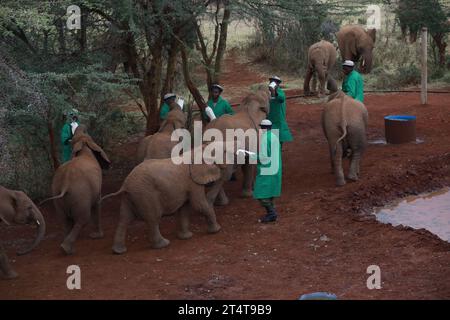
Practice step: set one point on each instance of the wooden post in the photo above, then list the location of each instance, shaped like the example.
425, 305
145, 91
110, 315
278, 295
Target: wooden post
424, 58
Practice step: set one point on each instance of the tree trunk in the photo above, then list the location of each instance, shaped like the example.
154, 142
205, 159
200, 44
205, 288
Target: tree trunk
61, 36
83, 32
222, 43
441, 45
171, 68
53, 149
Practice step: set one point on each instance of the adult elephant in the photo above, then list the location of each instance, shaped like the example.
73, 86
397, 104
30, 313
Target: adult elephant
159, 187
253, 109
77, 187
321, 59
344, 122
159, 145
354, 43
17, 208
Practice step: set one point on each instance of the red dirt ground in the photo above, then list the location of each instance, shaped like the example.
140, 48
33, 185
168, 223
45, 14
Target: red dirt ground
248, 260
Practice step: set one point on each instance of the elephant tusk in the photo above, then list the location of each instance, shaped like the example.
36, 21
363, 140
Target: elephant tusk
38, 223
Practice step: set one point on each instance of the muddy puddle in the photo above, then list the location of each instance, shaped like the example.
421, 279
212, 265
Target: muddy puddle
429, 211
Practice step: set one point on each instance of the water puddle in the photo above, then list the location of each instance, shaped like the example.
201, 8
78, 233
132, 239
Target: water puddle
430, 211
383, 141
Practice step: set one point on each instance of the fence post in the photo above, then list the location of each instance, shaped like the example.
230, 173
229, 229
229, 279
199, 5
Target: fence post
424, 62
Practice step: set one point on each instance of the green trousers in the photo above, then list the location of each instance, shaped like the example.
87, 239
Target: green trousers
267, 203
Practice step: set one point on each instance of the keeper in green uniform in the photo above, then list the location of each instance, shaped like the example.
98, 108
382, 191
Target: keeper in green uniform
218, 105
353, 84
277, 113
164, 110
67, 132
269, 171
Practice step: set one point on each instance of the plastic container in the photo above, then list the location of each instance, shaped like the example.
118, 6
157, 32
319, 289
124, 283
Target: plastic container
400, 128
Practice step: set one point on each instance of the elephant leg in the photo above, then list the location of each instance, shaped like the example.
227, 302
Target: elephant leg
338, 171
69, 241
125, 217
98, 233
248, 171
332, 159
217, 187
309, 73
322, 82
354, 166
222, 199
183, 223
81, 216
5, 266
314, 83
200, 203
151, 211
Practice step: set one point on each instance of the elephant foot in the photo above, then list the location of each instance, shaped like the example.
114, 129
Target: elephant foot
162, 243
119, 249
96, 235
67, 248
184, 235
353, 177
340, 182
247, 194
214, 228
222, 202
10, 275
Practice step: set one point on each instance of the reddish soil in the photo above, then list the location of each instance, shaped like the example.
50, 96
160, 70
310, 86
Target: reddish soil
248, 260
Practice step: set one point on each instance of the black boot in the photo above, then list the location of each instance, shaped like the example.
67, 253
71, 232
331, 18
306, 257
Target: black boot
271, 216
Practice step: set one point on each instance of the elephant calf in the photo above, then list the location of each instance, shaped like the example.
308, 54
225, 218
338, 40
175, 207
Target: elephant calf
159, 145
159, 187
344, 122
17, 208
321, 60
77, 188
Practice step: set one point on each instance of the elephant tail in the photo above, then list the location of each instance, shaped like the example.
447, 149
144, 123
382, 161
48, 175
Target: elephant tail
59, 196
112, 195
343, 122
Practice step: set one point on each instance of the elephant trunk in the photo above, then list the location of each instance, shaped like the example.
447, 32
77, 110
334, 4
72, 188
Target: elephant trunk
40, 222
366, 64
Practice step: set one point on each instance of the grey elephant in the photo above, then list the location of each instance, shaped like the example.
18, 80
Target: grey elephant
159, 187
355, 43
253, 109
159, 145
77, 188
17, 208
321, 60
344, 122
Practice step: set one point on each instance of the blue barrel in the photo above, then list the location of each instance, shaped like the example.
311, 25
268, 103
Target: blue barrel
400, 128
318, 296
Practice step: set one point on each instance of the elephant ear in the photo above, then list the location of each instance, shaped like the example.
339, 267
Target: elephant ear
204, 173
77, 147
347, 45
372, 34
101, 156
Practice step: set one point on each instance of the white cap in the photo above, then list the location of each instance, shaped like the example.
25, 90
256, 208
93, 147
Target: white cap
266, 122
348, 63
169, 95
218, 86
276, 78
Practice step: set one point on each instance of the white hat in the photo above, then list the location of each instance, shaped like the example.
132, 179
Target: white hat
266, 122
276, 78
348, 63
169, 95
215, 85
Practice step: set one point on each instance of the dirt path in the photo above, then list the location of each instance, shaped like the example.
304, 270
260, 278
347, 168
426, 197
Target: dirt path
247, 260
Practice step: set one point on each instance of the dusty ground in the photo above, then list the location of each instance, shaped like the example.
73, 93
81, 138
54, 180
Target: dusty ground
323, 241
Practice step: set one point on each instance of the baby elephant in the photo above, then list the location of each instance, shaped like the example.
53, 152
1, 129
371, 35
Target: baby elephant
159, 187
77, 187
17, 208
344, 122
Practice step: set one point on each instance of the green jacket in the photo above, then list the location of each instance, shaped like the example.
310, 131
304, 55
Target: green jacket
163, 111
353, 86
222, 107
269, 167
277, 115
66, 136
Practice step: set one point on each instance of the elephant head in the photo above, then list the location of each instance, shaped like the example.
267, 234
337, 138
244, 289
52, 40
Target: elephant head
17, 208
257, 103
175, 120
82, 142
355, 43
